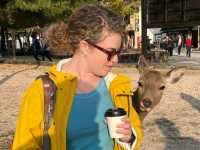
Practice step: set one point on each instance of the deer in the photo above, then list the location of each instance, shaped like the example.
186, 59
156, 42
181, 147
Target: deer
151, 85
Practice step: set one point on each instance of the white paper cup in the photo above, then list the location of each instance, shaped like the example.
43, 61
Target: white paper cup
113, 118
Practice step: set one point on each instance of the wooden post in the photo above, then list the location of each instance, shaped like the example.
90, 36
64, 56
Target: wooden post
3, 42
198, 37
144, 26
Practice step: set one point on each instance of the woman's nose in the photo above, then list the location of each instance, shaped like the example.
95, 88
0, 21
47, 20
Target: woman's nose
114, 59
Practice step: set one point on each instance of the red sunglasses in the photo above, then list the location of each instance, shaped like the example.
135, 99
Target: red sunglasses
109, 53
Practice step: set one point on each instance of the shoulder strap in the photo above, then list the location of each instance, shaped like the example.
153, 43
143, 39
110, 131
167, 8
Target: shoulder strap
49, 104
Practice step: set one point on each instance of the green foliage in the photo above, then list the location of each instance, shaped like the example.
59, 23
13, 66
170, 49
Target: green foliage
121, 6
47, 6
27, 13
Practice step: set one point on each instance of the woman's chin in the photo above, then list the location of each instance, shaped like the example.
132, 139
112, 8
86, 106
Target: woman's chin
107, 70
104, 73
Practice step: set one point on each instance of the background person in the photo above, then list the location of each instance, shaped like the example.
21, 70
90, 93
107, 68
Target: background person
45, 49
170, 44
84, 91
188, 44
179, 43
36, 47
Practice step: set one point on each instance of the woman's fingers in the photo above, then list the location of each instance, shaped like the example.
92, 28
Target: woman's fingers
125, 129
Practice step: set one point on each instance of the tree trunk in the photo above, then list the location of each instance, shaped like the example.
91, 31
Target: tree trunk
20, 43
28, 34
13, 44
3, 42
29, 42
6, 41
198, 37
144, 26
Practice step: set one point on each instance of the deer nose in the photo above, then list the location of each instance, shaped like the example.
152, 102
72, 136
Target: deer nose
147, 103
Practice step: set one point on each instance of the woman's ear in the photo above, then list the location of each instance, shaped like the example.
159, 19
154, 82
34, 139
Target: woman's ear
84, 47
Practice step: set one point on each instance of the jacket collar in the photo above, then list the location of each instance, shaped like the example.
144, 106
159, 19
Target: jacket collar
58, 76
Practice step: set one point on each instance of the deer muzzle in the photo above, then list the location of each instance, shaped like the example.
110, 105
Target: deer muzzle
147, 103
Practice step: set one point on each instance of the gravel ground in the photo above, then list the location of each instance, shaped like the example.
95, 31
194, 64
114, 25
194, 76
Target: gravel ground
14, 79
172, 125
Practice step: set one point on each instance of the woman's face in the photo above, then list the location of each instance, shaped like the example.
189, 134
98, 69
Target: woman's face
104, 54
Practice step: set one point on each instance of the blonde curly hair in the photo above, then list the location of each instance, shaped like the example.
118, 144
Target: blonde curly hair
87, 23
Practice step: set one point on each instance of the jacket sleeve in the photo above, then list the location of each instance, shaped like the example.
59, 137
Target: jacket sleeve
136, 130
121, 93
29, 126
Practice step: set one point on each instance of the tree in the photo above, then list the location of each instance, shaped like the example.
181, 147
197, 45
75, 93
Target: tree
20, 14
125, 7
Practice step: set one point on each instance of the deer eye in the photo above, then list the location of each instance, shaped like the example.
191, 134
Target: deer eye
140, 84
162, 87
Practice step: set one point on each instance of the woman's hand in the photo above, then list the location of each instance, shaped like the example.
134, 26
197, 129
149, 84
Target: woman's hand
125, 129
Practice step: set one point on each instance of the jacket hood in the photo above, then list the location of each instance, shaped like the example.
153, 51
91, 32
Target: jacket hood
57, 75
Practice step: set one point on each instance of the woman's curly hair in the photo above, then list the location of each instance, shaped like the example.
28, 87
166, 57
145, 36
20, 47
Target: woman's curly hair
87, 23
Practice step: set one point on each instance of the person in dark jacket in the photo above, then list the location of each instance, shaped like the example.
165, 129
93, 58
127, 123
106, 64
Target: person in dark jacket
170, 45
36, 47
45, 49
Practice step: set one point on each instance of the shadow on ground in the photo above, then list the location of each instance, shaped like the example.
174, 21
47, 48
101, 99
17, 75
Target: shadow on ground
172, 137
13, 74
194, 102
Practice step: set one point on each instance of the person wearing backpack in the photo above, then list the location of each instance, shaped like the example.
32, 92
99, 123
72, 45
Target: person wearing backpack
86, 88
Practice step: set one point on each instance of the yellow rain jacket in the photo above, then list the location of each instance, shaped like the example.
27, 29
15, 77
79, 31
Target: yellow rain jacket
30, 124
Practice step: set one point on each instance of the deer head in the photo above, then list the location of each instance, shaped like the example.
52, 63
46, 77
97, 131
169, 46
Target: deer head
151, 85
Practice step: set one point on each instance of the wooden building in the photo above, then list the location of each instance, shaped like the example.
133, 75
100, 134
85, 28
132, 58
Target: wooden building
171, 15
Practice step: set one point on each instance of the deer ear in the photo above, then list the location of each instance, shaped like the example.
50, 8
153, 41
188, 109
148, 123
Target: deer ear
142, 64
175, 74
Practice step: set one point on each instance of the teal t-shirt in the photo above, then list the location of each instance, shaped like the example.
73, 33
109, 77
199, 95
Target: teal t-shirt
86, 127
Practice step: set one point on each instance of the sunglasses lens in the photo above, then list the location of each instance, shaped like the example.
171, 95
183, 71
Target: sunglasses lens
113, 53
109, 57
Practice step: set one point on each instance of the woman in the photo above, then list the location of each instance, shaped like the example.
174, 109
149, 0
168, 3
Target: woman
85, 88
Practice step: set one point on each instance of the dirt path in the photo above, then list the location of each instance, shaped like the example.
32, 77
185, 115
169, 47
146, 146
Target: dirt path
173, 125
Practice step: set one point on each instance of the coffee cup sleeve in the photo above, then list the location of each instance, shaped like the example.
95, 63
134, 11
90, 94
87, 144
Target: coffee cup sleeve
132, 144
